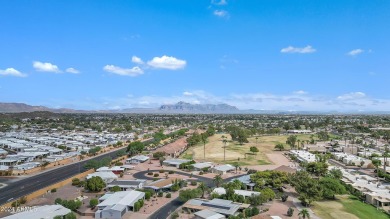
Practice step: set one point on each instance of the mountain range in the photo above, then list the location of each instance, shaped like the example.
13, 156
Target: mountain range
178, 108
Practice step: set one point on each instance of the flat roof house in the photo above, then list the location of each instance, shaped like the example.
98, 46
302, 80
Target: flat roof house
221, 206
207, 214
115, 205
107, 177
137, 159
175, 162
200, 166
126, 185
114, 169
162, 184
222, 169
41, 212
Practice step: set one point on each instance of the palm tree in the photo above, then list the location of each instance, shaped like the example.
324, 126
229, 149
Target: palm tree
304, 213
218, 180
203, 188
236, 165
224, 148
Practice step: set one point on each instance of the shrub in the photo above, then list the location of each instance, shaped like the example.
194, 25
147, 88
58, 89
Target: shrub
147, 195
23, 200
156, 175
290, 212
75, 181
121, 175
171, 172
174, 215
161, 171
93, 202
53, 190
137, 206
160, 194
193, 183
284, 197
201, 173
168, 195
150, 173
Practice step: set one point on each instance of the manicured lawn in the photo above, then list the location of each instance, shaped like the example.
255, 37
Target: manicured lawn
347, 207
362, 210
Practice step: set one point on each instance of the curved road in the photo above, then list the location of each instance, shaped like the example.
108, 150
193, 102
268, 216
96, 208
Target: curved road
170, 207
33, 183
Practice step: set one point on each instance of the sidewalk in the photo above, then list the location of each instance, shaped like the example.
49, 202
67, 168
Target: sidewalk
299, 206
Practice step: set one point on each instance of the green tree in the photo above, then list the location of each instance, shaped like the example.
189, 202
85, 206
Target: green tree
135, 147
279, 147
70, 215
95, 184
115, 189
202, 188
304, 213
158, 154
217, 180
291, 140
187, 194
308, 188
93, 203
317, 168
331, 187
254, 150
335, 173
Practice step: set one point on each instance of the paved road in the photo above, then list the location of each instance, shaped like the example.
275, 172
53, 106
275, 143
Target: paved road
33, 183
167, 209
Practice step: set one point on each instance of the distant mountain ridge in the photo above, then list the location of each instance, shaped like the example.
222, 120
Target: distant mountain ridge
178, 108
183, 107
22, 107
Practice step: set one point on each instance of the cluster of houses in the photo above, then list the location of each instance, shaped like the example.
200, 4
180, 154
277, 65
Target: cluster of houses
375, 192
26, 150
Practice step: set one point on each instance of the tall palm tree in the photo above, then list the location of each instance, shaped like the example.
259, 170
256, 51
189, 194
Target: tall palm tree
298, 141
224, 148
218, 180
236, 165
203, 188
304, 213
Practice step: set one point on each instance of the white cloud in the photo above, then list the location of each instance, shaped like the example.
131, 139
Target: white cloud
137, 60
46, 67
186, 93
355, 52
352, 96
221, 13
12, 72
167, 62
300, 92
220, 2
135, 71
72, 71
291, 49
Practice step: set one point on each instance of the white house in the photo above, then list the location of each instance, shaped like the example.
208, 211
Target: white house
41, 212
107, 177
127, 184
222, 169
115, 205
137, 159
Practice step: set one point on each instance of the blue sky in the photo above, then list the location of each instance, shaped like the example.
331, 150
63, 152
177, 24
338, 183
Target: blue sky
288, 55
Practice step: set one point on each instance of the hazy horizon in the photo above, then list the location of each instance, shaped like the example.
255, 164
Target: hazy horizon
263, 55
